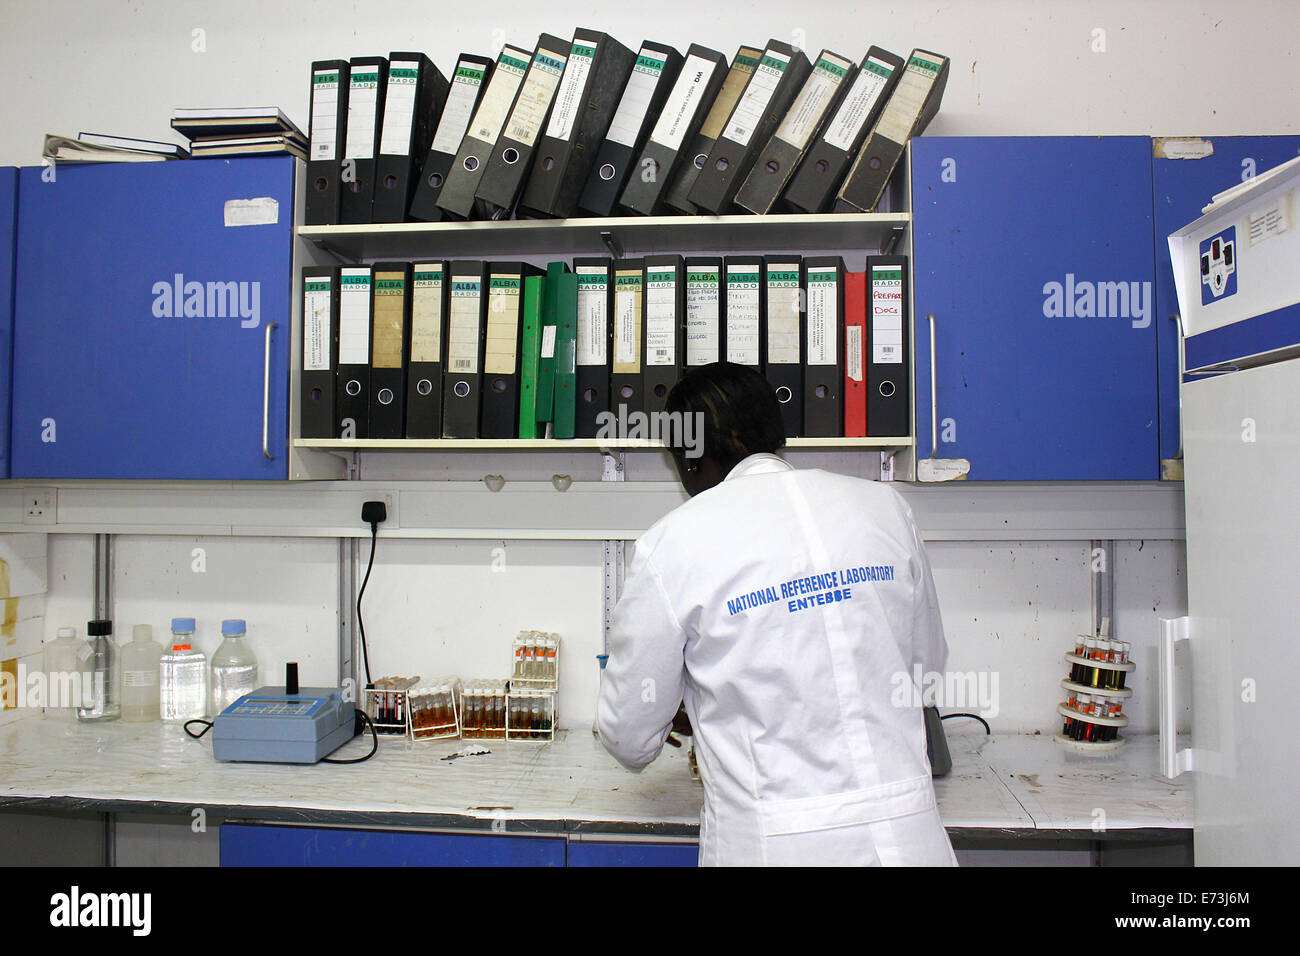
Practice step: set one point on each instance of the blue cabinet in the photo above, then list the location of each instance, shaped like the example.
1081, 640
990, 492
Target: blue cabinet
152, 320
269, 845
8, 224
609, 853
1035, 255
1182, 188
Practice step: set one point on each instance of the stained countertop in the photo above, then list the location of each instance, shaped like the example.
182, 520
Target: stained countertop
1017, 784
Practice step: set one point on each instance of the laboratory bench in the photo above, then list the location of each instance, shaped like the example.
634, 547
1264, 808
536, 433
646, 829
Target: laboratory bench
562, 802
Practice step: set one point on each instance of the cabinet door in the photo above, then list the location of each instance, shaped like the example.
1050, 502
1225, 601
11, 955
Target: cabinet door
632, 853
1183, 187
1035, 257
8, 221
269, 845
146, 297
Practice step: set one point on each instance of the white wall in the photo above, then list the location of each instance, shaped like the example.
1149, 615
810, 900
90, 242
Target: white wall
1019, 67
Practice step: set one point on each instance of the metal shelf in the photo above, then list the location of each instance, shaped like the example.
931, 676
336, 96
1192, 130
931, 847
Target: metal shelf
634, 236
556, 444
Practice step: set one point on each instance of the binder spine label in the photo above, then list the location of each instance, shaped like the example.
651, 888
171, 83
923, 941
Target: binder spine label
390, 295
887, 315
501, 354
399, 108
354, 317
535, 98
324, 114
670, 128
640, 88
627, 323
702, 302
823, 292
661, 316
316, 332
742, 316
491, 115
809, 106
568, 101
363, 96
853, 346
593, 315
456, 113
742, 67
426, 314
858, 104
463, 335
758, 93
905, 105
783, 314
548, 342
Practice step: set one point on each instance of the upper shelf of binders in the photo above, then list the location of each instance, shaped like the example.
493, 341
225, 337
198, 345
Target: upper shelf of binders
618, 236
562, 444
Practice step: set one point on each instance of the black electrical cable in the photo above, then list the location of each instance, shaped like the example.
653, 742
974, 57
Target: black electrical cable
207, 725
361, 624
972, 717
374, 743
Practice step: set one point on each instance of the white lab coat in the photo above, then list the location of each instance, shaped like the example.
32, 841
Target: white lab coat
808, 729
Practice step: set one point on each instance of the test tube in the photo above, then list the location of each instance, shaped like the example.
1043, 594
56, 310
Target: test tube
552, 655
499, 710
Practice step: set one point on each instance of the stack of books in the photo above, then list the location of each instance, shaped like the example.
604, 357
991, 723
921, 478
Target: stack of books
241, 131
98, 148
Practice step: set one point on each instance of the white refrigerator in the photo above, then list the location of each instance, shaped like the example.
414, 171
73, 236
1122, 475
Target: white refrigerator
1237, 271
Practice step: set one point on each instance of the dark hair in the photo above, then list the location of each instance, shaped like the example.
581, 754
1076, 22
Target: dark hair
741, 416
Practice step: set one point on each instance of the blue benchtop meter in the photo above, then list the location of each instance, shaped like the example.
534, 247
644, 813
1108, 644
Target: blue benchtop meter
284, 724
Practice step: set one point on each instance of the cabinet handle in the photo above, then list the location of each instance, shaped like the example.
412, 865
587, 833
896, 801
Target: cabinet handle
1172, 760
934, 396
266, 392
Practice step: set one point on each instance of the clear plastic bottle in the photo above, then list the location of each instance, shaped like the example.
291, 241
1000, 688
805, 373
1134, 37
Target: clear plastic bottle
182, 675
101, 678
140, 675
62, 660
234, 667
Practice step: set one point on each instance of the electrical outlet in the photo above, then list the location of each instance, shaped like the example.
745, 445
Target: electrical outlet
39, 505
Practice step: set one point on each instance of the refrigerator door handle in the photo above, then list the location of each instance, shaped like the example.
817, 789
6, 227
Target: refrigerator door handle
1172, 760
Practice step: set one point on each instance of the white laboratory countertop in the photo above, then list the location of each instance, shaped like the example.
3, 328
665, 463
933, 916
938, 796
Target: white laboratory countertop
1015, 784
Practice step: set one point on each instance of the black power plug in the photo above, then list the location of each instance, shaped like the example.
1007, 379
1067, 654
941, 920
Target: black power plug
374, 513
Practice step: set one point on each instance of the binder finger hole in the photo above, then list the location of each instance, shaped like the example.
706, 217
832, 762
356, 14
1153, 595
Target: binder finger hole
315, 394
498, 385
390, 182
321, 184
471, 163
589, 395
607, 171
821, 165
548, 163
875, 162
424, 386
783, 395
722, 163
661, 391
887, 389
385, 396
353, 387
772, 166
625, 391
820, 391
435, 180
700, 160
510, 155
461, 389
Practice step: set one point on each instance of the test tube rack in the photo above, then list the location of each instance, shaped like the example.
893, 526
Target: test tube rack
436, 731
384, 702
530, 673
517, 731
1101, 673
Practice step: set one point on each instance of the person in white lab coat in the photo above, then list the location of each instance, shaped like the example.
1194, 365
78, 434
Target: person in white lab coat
788, 609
